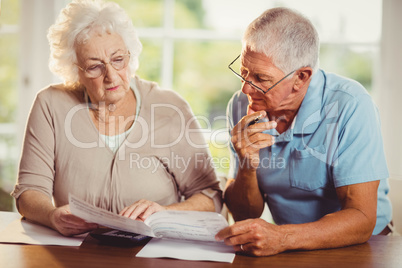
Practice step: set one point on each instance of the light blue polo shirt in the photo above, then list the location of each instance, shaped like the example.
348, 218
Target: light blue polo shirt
335, 140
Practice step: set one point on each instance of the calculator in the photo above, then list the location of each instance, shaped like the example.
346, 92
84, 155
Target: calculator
116, 237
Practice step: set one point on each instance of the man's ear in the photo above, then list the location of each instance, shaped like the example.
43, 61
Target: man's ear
303, 77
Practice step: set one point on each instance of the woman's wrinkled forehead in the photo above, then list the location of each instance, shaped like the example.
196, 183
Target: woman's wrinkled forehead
100, 47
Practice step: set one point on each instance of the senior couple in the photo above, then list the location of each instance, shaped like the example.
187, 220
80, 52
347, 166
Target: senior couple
330, 192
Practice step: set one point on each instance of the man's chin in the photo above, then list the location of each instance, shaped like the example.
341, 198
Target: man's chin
253, 109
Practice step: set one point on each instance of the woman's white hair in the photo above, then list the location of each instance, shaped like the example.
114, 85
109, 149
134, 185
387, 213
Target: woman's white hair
285, 36
73, 27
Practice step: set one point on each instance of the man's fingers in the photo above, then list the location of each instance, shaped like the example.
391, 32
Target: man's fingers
253, 118
235, 229
248, 119
251, 130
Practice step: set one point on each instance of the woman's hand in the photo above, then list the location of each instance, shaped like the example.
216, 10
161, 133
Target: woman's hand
141, 210
67, 224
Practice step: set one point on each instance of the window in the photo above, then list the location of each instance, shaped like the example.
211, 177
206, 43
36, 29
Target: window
9, 44
187, 47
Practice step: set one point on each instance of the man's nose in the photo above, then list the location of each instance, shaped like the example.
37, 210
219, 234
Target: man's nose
247, 88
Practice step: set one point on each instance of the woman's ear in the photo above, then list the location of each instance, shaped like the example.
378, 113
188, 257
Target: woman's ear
303, 77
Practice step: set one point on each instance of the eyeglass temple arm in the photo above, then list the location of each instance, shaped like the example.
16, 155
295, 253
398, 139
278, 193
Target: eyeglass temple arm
282, 79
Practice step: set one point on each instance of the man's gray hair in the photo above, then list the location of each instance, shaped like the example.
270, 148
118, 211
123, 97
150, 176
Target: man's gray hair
285, 36
73, 27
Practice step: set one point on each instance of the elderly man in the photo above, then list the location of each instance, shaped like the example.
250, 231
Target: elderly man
306, 142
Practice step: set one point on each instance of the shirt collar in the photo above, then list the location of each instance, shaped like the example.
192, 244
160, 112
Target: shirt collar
283, 137
309, 114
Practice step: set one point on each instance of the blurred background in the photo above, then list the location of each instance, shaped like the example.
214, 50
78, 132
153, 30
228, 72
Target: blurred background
187, 45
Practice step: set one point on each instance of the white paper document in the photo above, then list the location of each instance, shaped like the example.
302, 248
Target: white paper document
187, 250
188, 225
22, 231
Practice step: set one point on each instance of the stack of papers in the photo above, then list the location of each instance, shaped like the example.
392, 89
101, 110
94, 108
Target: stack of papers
187, 250
22, 231
187, 235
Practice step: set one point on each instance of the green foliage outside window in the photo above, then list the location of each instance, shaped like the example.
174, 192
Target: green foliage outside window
8, 77
10, 11
189, 14
144, 13
150, 60
9, 44
349, 61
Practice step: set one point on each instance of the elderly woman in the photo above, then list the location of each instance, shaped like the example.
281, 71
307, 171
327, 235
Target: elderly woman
108, 137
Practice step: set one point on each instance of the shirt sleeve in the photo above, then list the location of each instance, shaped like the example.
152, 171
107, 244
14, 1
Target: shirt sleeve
192, 167
360, 154
36, 169
234, 160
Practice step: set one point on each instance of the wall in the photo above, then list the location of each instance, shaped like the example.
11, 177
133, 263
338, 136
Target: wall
389, 92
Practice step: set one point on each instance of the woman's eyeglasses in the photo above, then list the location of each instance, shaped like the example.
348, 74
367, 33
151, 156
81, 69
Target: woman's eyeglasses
118, 62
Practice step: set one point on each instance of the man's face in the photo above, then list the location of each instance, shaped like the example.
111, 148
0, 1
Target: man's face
259, 69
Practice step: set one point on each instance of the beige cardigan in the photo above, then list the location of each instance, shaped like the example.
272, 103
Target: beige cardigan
163, 159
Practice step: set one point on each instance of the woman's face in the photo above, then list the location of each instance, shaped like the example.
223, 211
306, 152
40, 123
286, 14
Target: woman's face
113, 85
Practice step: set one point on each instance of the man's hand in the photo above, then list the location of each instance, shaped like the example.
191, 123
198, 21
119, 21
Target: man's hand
254, 237
248, 139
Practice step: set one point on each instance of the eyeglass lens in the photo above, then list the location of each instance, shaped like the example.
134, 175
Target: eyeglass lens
242, 78
118, 63
251, 83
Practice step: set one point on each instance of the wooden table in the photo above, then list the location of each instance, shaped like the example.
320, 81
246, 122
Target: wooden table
379, 251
